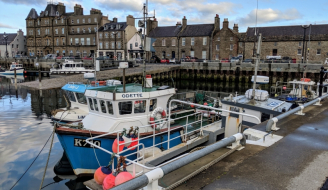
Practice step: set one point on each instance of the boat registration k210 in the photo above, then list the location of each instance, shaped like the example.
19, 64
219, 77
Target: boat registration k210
83, 143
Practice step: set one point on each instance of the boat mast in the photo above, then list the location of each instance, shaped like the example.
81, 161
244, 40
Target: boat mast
144, 44
95, 62
258, 51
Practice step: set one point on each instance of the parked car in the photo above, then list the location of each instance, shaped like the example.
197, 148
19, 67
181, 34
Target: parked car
87, 58
172, 60
193, 59
165, 60
155, 59
59, 57
103, 58
248, 61
225, 60
139, 60
235, 60
67, 58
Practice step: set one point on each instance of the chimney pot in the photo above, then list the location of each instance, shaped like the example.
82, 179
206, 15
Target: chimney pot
216, 15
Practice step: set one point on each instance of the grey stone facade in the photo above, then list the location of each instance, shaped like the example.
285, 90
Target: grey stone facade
16, 44
55, 31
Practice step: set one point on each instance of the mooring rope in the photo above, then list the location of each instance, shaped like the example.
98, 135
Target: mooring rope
95, 151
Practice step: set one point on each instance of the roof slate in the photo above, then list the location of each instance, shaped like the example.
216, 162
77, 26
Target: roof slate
197, 30
32, 14
165, 31
11, 37
51, 8
124, 25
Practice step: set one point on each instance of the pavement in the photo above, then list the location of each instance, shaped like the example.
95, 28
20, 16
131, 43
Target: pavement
298, 161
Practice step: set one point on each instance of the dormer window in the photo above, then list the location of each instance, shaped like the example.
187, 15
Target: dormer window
57, 13
46, 13
111, 26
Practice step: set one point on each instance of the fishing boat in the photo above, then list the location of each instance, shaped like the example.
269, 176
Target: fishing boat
70, 67
14, 66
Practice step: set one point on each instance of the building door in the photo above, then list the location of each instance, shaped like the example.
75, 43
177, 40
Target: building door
173, 54
274, 52
163, 54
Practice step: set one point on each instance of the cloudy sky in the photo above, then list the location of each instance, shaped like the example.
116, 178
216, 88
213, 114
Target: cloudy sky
168, 12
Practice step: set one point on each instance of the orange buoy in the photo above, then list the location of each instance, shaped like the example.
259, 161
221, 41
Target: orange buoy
118, 143
284, 87
123, 177
98, 82
205, 104
101, 173
109, 181
192, 106
133, 143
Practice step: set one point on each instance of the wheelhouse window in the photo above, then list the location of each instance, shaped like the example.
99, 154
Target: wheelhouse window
140, 106
81, 98
110, 107
152, 104
90, 104
125, 107
71, 96
96, 104
102, 106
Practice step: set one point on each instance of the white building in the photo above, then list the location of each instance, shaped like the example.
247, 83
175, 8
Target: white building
133, 46
16, 44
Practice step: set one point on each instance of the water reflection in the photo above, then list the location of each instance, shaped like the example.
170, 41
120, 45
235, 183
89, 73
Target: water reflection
25, 126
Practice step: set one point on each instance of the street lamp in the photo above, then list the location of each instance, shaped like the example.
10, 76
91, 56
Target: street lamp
304, 27
114, 33
5, 37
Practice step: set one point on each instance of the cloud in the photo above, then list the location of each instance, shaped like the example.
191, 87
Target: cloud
25, 2
6, 26
126, 5
268, 16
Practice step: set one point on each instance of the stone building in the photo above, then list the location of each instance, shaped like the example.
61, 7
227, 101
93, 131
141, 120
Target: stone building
56, 31
203, 41
309, 42
133, 45
113, 38
16, 44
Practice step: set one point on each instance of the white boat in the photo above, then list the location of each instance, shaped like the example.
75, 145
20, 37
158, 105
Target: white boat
19, 69
70, 67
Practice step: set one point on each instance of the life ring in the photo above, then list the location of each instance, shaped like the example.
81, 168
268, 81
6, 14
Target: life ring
98, 82
154, 113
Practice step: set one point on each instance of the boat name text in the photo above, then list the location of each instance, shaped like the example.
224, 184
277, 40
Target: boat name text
132, 95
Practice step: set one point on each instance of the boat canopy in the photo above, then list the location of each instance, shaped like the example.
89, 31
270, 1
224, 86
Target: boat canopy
78, 87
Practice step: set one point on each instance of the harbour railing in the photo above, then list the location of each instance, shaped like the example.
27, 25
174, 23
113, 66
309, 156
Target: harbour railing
139, 161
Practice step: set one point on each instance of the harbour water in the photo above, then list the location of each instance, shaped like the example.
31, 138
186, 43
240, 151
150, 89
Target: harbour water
25, 127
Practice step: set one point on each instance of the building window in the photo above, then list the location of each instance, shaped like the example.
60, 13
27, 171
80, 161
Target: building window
88, 41
84, 53
82, 41
136, 44
183, 41
100, 35
319, 43
63, 31
56, 31
218, 39
113, 45
192, 54
274, 52
62, 20
95, 29
192, 41
89, 29
231, 46
275, 44
38, 32
130, 46
63, 41
72, 21
94, 40
78, 30
118, 45
73, 30
83, 30
231, 38
106, 35
83, 20
95, 19
240, 44
57, 42
299, 44
205, 41
217, 47
163, 42
77, 21
203, 54
100, 45
89, 20
38, 22
118, 34
76, 41
173, 42
318, 51
111, 35
217, 57
56, 21
299, 52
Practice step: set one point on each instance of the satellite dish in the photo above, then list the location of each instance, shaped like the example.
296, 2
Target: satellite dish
141, 23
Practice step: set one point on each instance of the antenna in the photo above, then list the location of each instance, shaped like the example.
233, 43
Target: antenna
257, 7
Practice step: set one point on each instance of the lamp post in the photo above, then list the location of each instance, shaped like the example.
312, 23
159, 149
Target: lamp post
115, 33
304, 27
5, 37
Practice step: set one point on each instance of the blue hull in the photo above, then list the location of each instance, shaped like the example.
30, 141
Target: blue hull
12, 73
83, 159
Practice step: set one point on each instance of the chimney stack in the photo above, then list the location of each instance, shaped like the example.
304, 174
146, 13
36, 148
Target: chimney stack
184, 22
178, 24
217, 22
235, 27
225, 23
154, 24
115, 20
78, 10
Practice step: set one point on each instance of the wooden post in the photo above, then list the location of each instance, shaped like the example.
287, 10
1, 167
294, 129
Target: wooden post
123, 80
